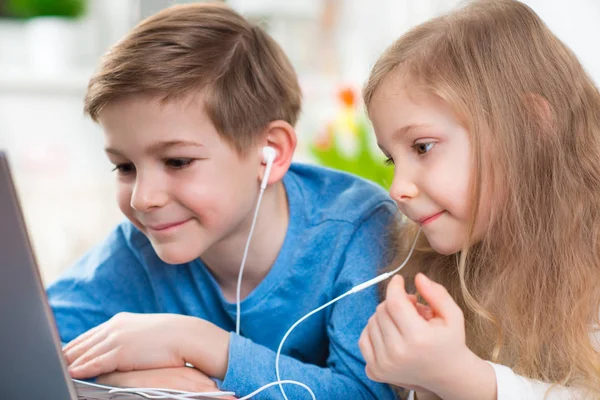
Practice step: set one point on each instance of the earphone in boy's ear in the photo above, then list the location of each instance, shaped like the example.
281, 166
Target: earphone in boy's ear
269, 155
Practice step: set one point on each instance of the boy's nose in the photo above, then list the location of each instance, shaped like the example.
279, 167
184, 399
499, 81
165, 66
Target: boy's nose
147, 194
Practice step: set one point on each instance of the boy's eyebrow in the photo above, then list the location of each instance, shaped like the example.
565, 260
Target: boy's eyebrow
163, 145
158, 146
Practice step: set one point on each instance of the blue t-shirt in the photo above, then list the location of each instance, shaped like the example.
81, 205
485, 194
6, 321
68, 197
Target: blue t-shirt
336, 239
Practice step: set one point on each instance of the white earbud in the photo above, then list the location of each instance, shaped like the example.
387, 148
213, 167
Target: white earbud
269, 155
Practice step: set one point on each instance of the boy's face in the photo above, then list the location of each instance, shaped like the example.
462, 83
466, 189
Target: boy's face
433, 163
178, 181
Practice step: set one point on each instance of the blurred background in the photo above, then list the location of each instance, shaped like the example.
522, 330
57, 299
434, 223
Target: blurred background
49, 49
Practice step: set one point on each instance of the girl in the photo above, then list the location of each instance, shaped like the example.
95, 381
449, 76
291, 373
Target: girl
494, 130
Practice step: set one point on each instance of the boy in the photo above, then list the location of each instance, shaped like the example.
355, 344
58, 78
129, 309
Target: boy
187, 101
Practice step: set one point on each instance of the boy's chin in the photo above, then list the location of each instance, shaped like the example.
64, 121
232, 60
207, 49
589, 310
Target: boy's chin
172, 254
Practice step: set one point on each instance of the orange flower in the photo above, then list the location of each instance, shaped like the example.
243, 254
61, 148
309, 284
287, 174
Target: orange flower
347, 97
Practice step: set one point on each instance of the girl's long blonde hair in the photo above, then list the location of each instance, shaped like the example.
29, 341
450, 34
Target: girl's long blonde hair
531, 288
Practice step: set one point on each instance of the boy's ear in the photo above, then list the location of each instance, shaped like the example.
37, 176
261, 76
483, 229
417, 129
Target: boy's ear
281, 136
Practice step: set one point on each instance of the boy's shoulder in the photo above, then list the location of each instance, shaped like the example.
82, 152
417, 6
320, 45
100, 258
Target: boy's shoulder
328, 194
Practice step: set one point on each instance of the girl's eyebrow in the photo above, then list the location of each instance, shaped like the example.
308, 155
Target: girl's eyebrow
400, 132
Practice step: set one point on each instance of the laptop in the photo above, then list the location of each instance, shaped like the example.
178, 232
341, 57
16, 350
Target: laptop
31, 362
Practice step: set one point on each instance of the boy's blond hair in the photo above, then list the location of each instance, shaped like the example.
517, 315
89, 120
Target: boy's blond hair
247, 79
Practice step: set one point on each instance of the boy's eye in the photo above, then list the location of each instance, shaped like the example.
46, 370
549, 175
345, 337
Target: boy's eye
178, 162
124, 169
424, 147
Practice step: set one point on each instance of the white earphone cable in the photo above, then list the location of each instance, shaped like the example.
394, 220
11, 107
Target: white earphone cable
243, 264
269, 154
155, 393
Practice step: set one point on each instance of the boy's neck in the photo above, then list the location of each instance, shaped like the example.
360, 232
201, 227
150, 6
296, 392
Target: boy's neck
224, 259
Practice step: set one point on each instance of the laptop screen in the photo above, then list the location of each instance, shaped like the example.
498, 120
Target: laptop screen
31, 365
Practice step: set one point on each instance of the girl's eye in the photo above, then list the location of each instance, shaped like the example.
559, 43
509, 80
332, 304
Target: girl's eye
178, 163
124, 169
423, 147
389, 161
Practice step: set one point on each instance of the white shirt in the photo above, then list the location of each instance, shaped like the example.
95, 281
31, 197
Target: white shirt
511, 386
516, 387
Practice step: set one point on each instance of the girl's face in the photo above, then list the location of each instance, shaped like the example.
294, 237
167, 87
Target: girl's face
433, 161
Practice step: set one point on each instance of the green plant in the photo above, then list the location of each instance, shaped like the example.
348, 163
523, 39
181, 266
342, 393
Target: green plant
39, 8
346, 144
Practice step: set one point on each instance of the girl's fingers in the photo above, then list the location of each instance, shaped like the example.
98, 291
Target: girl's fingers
366, 347
376, 337
439, 299
389, 330
370, 374
401, 309
424, 311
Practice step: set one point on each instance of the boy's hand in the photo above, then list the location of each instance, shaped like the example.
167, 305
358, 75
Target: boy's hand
180, 378
126, 342
131, 342
415, 346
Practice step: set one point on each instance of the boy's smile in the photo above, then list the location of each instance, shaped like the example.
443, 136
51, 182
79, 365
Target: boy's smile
166, 227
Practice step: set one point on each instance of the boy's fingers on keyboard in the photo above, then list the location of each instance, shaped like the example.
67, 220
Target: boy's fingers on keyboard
100, 362
84, 336
76, 352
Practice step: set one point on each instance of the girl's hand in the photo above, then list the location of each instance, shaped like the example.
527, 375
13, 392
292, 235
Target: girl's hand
410, 345
424, 311
180, 378
129, 342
